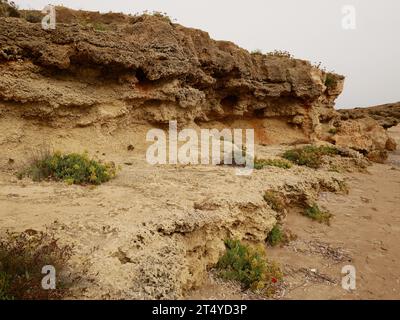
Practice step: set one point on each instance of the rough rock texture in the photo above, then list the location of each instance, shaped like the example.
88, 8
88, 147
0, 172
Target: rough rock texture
114, 71
366, 136
363, 129
387, 115
100, 82
148, 68
137, 239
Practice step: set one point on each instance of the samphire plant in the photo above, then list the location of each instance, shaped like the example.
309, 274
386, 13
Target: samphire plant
279, 163
73, 168
315, 213
310, 156
249, 266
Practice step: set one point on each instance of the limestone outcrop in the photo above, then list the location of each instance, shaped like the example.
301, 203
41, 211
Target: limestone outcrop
364, 129
387, 115
113, 70
150, 69
366, 136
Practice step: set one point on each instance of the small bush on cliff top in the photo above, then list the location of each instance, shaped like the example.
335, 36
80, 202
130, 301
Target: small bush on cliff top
310, 156
33, 16
22, 257
249, 266
330, 80
72, 168
280, 53
139, 16
333, 130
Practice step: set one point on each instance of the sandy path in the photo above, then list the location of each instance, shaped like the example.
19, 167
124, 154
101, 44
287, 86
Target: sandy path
364, 233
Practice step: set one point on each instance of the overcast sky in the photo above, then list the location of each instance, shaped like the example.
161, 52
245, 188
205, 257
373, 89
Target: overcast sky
369, 55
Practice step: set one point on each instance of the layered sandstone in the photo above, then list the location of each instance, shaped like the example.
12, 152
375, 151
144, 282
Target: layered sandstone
149, 69
114, 70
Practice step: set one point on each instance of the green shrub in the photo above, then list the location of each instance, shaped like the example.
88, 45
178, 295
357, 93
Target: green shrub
72, 168
275, 200
280, 163
163, 15
276, 236
310, 156
22, 257
98, 26
315, 213
330, 80
280, 236
249, 266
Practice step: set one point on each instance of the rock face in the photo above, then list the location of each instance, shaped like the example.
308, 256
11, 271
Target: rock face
112, 71
363, 129
149, 69
387, 115
366, 136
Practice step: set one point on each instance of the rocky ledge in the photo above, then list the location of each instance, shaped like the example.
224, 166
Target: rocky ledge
97, 70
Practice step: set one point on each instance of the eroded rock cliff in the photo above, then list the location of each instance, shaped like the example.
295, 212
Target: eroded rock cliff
147, 68
387, 115
114, 70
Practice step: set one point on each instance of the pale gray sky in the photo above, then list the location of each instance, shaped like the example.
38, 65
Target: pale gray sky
368, 56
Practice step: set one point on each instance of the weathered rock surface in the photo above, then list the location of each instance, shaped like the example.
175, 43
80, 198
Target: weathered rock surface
99, 82
363, 129
366, 136
148, 68
114, 70
387, 115
139, 240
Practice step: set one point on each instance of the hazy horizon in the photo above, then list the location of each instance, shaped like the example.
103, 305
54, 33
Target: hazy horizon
310, 29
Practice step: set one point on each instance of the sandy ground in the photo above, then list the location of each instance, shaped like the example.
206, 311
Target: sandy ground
364, 233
